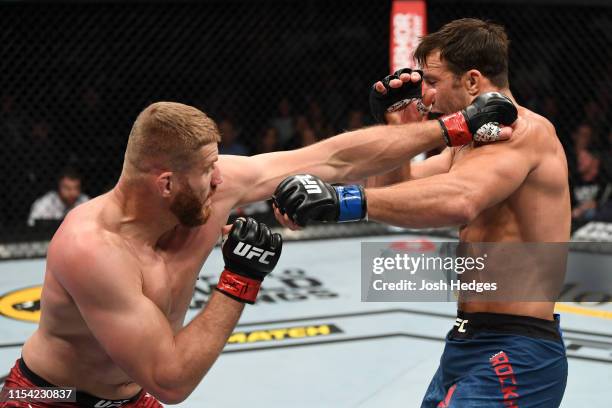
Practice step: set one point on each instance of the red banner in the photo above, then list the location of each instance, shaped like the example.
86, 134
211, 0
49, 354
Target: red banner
408, 23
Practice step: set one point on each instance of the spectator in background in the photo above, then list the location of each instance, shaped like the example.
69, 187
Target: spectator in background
307, 137
268, 140
304, 134
55, 204
283, 122
582, 137
229, 140
588, 186
318, 122
354, 119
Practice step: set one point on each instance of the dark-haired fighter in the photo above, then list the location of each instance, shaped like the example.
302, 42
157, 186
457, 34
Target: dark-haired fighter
499, 353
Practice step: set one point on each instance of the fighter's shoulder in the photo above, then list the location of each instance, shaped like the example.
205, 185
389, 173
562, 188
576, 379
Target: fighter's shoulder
81, 243
534, 125
238, 173
230, 162
233, 167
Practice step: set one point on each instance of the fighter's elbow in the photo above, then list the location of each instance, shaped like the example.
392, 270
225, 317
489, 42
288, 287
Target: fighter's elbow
170, 387
171, 393
171, 396
465, 210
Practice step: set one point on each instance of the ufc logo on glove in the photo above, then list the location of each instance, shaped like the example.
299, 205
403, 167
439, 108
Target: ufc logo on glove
248, 251
312, 187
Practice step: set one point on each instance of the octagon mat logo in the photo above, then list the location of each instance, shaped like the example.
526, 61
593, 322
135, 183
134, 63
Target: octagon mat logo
22, 304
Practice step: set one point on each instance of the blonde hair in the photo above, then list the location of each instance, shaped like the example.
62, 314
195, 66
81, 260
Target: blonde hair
167, 134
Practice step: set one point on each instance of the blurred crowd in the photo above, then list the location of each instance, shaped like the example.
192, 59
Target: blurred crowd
588, 145
296, 74
288, 129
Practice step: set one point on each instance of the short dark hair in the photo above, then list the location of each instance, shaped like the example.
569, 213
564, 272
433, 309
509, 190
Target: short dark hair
469, 43
69, 173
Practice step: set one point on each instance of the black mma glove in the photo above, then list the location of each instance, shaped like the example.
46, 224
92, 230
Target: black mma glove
304, 198
250, 253
479, 121
395, 98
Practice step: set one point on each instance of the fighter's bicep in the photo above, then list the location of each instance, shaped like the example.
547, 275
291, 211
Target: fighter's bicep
490, 174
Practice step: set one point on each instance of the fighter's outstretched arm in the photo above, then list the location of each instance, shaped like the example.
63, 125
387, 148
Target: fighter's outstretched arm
348, 156
484, 177
438, 164
108, 290
487, 176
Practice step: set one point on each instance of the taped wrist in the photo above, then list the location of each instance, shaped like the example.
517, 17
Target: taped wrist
352, 204
455, 129
238, 287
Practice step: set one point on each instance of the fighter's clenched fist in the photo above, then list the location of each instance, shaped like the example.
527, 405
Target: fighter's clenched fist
250, 252
304, 198
479, 121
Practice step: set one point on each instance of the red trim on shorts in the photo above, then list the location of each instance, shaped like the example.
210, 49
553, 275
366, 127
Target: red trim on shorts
447, 399
18, 379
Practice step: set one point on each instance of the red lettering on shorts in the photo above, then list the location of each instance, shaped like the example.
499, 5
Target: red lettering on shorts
510, 392
449, 395
499, 358
505, 374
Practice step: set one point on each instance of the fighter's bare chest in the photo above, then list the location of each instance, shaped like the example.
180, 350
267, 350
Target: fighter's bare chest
167, 286
169, 280
170, 272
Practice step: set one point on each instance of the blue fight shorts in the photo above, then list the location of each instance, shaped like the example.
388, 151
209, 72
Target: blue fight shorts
498, 360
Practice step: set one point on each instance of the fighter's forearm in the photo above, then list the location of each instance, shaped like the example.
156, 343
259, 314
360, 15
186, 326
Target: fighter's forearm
197, 346
347, 157
394, 176
370, 151
436, 201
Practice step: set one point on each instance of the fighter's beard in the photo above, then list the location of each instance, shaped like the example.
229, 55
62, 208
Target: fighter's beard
206, 213
189, 209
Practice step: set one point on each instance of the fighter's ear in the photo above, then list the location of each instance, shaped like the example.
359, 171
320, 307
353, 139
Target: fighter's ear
472, 81
165, 183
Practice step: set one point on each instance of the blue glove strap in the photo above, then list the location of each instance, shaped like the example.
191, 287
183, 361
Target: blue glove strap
350, 203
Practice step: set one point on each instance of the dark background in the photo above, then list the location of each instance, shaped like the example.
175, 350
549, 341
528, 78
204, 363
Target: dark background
74, 76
